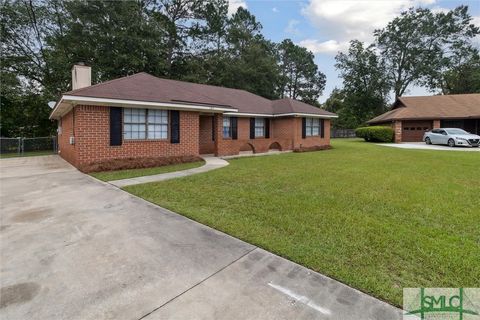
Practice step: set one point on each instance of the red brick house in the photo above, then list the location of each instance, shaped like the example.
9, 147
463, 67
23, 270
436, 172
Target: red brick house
410, 117
142, 116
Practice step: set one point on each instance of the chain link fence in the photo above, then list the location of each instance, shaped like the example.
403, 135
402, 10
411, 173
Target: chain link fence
23, 146
343, 133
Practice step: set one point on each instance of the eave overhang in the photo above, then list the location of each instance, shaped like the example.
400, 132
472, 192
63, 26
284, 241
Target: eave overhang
67, 102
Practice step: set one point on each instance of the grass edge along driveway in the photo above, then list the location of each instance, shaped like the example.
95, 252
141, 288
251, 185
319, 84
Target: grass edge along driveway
378, 219
140, 172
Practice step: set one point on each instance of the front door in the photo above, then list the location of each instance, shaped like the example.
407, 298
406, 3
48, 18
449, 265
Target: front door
207, 135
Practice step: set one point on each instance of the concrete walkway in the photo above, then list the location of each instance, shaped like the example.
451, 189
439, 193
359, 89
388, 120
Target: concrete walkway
211, 163
424, 146
73, 247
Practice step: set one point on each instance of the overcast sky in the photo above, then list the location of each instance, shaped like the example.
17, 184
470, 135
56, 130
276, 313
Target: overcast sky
326, 26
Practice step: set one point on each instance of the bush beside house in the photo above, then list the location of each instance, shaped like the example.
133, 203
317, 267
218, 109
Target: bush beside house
375, 134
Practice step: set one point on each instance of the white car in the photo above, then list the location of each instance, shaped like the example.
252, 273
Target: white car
451, 137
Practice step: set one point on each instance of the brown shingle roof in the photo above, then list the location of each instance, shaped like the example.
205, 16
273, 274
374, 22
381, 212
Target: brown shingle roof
288, 105
145, 87
454, 106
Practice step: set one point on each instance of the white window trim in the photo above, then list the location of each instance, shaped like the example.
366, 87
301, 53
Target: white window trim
146, 123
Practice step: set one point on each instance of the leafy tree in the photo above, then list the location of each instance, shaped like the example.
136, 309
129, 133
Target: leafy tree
191, 40
239, 57
208, 63
23, 113
250, 61
122, 40
365, 84
335, 102
179, 20
23, 30
461, 74
299, 75
418, 43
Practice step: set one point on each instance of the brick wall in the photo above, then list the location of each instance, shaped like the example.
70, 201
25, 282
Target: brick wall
91, 127
67, 150
308, 142
286, 132
397, 128
92, 139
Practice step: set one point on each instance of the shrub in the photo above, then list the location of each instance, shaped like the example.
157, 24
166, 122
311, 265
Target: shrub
135, 163
375, 134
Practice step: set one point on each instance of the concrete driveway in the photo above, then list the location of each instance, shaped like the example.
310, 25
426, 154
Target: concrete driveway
75, 248
424, 146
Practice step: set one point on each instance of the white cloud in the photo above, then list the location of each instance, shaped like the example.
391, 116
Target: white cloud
275, 9
439, 10
329, 46
292, 28
476, 21
233, 6
339, 22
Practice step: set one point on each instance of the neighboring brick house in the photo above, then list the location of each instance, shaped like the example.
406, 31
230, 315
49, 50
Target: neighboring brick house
410, 117
143, 117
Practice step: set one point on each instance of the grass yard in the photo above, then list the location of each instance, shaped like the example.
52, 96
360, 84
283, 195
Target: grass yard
132, 173
27, 154
376, 218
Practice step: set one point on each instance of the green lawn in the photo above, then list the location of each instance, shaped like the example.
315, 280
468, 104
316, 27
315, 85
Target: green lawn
27, 154
376, 218
132, 173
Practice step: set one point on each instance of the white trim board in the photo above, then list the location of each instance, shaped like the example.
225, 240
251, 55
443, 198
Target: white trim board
69, 101
292, 114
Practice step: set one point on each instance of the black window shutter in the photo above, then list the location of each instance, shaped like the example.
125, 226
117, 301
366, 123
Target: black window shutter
234, 125
322, 128
174, 126
304, 128
252, 128
267, 128
115, 126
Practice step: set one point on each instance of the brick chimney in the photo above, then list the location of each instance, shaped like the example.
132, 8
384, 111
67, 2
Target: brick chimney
81, 76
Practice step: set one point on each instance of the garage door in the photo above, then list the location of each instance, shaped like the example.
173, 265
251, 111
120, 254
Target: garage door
412, 131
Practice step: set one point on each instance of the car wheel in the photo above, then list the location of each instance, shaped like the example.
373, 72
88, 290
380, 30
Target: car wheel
451, 143
428, 141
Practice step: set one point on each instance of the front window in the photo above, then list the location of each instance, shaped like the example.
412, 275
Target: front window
157, 124
227, 127
312, 127
134, 123
259, 127
141, 124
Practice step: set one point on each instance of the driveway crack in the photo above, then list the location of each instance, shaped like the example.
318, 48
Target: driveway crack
197, 284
